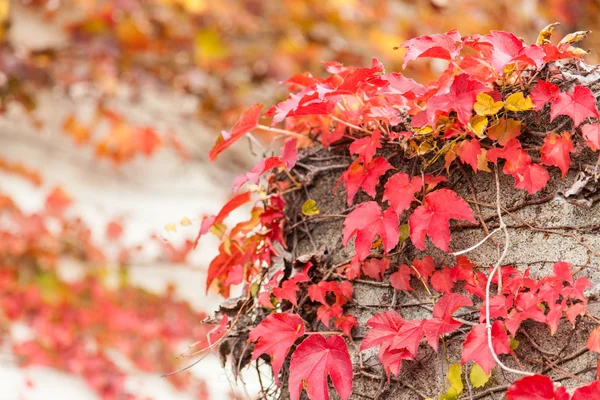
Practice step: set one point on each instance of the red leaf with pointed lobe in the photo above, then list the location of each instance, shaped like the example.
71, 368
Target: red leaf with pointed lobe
207, 222
507, 48
556, 150
543, 93
375, 268
460, 98
424, 267
587, 392
574, 311
345, 323
441, 280
367, 222
289, 154
526, 307
274, 336
468, 152
475, 347
528, 176
537, 387
357, 78
316, 358
554, 52
288, 291
367, 147
533, 179
254, 174
591, 133
400, 191
400, 280
248, 121
593, 343
399, 84
442, 321
433, 218
579, 105
392, 333
363, 176
446, 46
562, 270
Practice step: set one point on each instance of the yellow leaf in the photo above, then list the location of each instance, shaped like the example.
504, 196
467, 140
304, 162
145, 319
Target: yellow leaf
478, 377
514, 344
546, 33
574, 37
578, 51
516, 102
454, 378
478, 124
505, 130
482, 161
486, 105
171, 227
424, 130
404, 232
185, 221
425, 148
310, 207
218, 229
378, 242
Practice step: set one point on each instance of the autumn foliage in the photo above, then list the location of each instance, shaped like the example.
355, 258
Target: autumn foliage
477, 114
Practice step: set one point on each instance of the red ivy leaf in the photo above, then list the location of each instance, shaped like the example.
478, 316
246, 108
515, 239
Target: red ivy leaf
588, 392
400, 191
441, 281
460, 98
556, 150
534, 178
468, 152
366, 176
579, 105
542, 93
231, 205
289, 155
593, 343
367, 222
375, 268
446, 46
591, 133
537, 387
475, 347
442, 321
397, 339
433, 218
254, 174
400, 280
313, 360
367, 147
275, 335
345, 323
247, 122
507, 48
424, 267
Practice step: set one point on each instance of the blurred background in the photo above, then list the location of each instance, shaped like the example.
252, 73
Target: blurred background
107, 112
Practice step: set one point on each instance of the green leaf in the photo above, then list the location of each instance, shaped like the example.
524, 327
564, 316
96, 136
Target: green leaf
514, 344
455, 380
310, 207
478, 377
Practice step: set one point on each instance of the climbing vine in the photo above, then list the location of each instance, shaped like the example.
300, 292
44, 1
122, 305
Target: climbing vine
483, 112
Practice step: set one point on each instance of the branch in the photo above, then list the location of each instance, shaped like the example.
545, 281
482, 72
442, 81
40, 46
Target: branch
488, 323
